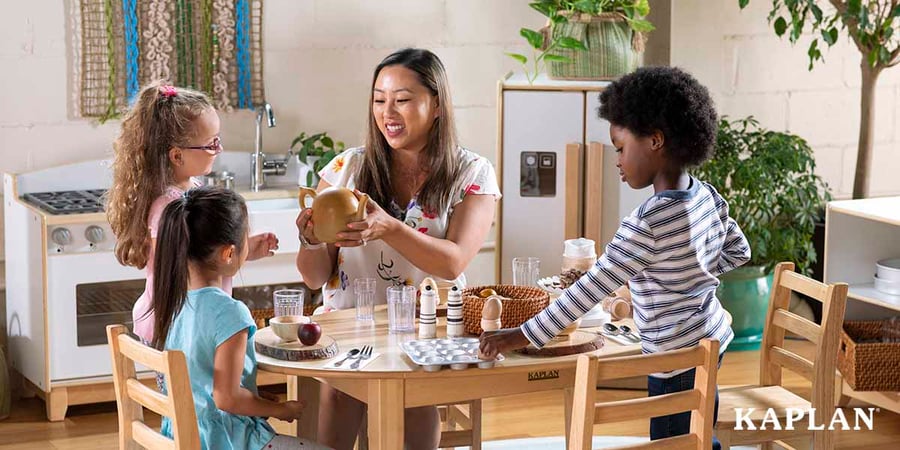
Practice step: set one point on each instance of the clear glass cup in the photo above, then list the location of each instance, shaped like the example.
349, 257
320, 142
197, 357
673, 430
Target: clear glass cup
365, 298
401, 301
526, 271
288, 302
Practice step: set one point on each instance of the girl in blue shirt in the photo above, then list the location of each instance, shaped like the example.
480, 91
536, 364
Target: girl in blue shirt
202, 240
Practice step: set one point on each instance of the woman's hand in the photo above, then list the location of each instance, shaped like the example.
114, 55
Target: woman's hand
376, 225
262, 245
494, 343
305, 226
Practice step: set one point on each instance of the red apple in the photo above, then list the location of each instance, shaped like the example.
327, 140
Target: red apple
309, 333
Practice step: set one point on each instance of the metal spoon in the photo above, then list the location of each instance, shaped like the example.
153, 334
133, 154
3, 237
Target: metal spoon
627, 330
350, 355
613, 330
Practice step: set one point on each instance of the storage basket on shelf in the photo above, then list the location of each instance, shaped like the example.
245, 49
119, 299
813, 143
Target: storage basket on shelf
520, 303
872, 365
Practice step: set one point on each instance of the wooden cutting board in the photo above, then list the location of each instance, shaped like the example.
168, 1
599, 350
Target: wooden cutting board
267, 343
577, 342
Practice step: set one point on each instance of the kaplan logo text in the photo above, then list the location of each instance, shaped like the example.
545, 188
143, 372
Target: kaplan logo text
803, 418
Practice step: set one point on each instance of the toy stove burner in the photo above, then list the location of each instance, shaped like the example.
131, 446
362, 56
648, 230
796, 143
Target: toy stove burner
68, 202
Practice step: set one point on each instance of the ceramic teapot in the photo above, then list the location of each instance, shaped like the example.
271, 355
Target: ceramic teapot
333, 209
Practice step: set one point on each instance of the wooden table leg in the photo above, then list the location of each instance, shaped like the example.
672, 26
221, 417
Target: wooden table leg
386, 408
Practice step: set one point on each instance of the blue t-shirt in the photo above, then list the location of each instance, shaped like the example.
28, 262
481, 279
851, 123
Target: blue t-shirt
208, 318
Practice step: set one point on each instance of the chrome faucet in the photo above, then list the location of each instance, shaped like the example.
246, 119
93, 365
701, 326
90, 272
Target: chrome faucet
259, 166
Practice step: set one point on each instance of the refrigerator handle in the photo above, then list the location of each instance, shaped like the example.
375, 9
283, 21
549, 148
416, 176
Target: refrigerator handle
574, 182
593, 195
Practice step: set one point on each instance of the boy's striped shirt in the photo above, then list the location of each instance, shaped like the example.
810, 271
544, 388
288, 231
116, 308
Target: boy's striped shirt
670, 250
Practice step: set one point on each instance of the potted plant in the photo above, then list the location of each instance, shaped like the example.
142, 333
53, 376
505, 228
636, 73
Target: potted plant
315, 151
768, 179
586, 39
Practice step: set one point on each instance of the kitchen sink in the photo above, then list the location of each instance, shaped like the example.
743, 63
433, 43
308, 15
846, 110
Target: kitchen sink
276, 215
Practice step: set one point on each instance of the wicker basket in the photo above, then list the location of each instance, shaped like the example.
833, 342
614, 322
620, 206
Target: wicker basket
613, 48
868, 366
520, 303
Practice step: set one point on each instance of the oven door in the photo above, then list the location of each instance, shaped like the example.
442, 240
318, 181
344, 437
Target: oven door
86, 292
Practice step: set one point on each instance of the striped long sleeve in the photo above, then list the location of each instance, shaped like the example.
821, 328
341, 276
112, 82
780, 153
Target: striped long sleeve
670, 250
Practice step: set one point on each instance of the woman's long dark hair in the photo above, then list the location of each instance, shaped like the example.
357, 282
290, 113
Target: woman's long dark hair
191, 229
441, 156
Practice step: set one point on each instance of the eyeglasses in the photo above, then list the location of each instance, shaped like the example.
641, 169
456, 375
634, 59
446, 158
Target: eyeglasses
215, 148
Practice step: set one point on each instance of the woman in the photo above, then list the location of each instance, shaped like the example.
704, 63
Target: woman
430, 209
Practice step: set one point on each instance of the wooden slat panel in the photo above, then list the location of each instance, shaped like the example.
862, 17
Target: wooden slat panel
661, 405
148, 438
799, 283
630, 366
593, 194
792, 361
793, 322
150, 398
138, 352
573, 196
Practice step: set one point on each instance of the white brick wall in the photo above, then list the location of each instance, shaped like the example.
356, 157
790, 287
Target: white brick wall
752, 72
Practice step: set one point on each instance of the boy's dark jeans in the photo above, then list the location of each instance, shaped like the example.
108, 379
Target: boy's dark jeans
676, 424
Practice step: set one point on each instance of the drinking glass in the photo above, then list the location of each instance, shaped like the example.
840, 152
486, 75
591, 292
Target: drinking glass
526, 271
365, 298
288, 302
401, 301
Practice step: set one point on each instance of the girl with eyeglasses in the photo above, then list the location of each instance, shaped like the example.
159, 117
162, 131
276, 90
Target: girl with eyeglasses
169, 136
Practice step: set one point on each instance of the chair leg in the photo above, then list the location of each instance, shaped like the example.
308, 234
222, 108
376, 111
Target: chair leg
362, 438
724, 437
475, 418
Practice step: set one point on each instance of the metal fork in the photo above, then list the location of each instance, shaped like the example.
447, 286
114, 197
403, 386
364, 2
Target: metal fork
366, 353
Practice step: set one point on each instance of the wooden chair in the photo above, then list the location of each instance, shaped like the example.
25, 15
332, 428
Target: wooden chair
700, 400
460, 426
132, 396
773, 357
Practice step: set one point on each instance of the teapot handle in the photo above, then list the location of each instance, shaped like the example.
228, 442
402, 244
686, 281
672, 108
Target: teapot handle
306, 192
361, 208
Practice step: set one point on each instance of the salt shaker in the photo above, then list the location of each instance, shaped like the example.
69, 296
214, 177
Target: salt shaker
455, 326
428, 309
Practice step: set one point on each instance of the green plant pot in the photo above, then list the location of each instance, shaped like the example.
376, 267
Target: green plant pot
744, 292
610, 51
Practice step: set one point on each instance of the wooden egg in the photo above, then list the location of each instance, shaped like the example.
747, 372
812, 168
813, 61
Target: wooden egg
493, 308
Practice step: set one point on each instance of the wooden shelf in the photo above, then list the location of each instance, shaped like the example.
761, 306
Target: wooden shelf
866, 292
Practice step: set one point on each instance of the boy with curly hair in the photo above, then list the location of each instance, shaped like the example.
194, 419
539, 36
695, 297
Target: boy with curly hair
670, 249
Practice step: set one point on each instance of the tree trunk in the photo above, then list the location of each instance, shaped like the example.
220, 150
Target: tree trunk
866, 128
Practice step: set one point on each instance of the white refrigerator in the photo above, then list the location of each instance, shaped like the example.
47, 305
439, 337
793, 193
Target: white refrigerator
558, 171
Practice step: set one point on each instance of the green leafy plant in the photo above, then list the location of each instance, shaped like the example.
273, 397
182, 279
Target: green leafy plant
316, 151
768, 179
874, 26
557, 12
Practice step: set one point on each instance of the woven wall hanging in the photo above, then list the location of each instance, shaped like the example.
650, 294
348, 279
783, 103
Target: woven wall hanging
214, 46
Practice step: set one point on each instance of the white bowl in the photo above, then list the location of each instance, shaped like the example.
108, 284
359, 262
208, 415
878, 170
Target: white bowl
888, 269
286, 327
887, 286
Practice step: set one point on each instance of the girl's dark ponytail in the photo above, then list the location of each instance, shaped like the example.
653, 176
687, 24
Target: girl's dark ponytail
191, 230
170, 269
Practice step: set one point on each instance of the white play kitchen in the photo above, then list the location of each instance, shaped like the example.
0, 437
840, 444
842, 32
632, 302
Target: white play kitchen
64, 284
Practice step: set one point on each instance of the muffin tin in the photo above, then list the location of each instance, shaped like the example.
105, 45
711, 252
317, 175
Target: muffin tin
434, 354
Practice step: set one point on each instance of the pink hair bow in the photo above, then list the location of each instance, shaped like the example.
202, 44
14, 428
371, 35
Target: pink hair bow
167, 91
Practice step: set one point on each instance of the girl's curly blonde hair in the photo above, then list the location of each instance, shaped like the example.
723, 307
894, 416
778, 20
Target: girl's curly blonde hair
161, 118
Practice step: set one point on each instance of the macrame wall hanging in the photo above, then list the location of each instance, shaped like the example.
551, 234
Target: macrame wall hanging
214, 46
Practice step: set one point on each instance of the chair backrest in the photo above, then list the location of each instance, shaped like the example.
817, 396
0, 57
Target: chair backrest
131, 395
700, 400
773, 355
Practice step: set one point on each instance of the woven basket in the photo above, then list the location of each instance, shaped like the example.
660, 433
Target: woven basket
520, 303
868, 366
613, 48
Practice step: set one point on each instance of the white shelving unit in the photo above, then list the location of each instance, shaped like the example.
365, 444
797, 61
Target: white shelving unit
858, 233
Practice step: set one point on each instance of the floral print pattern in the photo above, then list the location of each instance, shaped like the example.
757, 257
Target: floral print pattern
378, 260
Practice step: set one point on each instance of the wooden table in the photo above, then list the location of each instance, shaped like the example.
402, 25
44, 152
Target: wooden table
392, 382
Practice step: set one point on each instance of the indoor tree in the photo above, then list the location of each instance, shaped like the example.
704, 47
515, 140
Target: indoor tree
874, 27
